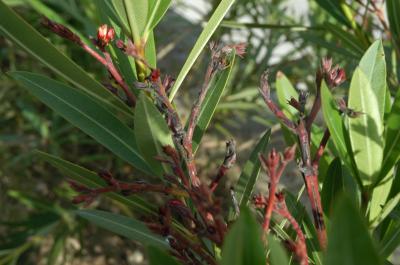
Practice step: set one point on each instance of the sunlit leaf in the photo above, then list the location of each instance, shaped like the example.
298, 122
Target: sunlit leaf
201, 42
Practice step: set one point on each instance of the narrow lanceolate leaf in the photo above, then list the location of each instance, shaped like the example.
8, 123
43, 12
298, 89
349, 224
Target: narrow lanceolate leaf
20, 32
243, 245
87, 115
201, 42
152, 133
389, 206
348, 41
393, 13
124, 226
157, 10
211, 101
333, 186
248, 177
392, 139
333, 8
349, 241
92, 180
391, 239
336, 127
158, 257
366, 131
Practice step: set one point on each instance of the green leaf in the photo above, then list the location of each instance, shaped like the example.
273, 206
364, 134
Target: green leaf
373, 65
201, 42
391, 239
278, 255
92, 180
333, 185
285, 91
157, 9
333, 8
214, 94
393, 13
152, 133
392, 139
299, 212
386, 210
347, 40
335, 125
349, 242
379, 196
86, 114
158, 257
136, 13
124, 226
366, 131
251, 170
57, 248
118, 16
20, 32
243, 244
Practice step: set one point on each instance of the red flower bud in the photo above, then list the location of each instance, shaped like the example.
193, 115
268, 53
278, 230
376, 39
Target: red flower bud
273, 159
105, 34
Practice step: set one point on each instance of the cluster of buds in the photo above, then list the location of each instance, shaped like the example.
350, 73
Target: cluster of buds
333, 76
105, 35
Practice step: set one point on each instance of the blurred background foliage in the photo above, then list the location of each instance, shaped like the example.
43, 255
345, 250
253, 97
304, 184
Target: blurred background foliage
36, 222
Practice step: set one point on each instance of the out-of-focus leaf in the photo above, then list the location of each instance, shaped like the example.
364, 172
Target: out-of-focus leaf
348, 40
349, 242
251, 170
205, 35
152, 133
366, 131
211, 101
124, 226
86, 114
335, 125
393, 13
277, 254
92, 180
57, 248
20, 32
243, 245
158, 257
333, 8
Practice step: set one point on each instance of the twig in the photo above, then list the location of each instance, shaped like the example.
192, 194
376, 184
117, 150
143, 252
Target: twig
266, 93
320, 150
301, 248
